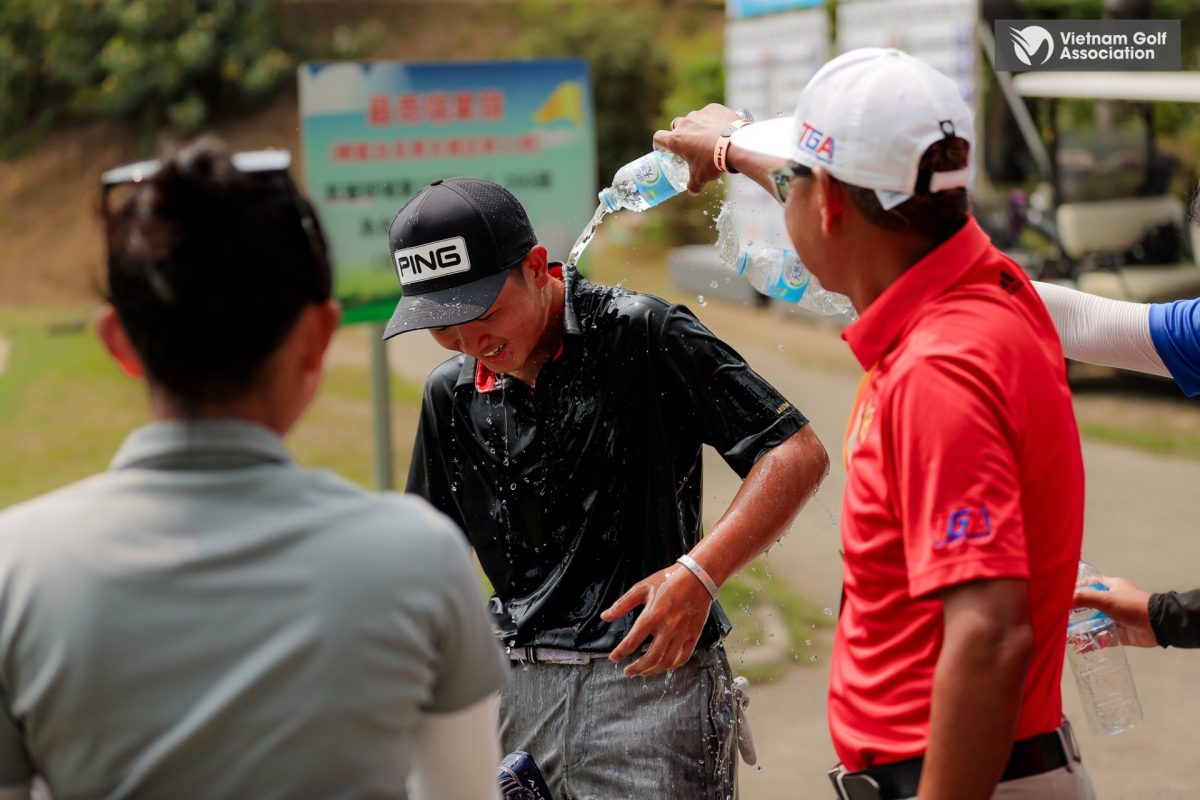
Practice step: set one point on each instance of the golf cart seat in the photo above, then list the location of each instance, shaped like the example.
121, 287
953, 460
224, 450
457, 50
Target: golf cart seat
1117, 226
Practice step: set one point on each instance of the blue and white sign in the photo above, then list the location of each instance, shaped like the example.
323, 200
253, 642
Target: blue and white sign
739, 9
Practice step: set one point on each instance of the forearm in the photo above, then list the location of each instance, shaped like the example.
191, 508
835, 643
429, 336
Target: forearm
976, 701
973, 722
456, 754
1112, 333
769, 498
1175, 618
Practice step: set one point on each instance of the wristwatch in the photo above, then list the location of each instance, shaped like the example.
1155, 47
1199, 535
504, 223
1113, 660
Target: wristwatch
722, 146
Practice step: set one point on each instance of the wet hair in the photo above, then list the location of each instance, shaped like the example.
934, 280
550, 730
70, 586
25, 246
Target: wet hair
936, 216
208, 270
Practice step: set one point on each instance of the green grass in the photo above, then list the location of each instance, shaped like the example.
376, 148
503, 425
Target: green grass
65, 408
754, 593
1162, 442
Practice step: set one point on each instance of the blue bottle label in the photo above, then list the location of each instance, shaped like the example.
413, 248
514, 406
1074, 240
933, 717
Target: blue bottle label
792, 281
651, 180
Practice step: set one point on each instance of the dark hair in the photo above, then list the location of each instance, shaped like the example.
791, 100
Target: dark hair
209, 268
936, 216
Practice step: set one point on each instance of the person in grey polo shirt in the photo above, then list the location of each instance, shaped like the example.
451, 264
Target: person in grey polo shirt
206, 619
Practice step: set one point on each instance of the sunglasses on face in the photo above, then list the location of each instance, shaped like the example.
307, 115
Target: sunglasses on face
781, 179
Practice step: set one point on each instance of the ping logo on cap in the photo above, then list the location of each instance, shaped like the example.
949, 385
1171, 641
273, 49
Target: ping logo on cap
434, 260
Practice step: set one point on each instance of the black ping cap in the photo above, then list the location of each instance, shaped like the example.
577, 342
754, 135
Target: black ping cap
452, 246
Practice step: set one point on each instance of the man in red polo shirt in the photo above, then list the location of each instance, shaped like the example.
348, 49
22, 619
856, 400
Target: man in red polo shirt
963, 507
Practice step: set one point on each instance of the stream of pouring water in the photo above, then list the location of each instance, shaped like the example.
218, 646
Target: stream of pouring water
586, 237
727, 241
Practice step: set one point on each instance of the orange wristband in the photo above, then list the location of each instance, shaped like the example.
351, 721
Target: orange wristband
722, 145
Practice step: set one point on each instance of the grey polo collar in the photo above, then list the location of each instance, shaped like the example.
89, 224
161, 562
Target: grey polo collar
200, 444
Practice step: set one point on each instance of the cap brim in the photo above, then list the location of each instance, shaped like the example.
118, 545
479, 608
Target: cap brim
771, 137
452, 306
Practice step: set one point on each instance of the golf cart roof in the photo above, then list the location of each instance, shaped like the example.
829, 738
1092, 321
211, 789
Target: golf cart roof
1145, 87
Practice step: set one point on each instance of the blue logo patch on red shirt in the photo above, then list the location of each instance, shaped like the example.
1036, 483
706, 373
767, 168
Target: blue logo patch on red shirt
965, 524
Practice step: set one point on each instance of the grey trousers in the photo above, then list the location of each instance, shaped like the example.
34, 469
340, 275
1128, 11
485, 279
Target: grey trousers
598, 735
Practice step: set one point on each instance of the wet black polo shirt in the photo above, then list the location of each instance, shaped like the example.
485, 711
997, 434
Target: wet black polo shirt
575, 490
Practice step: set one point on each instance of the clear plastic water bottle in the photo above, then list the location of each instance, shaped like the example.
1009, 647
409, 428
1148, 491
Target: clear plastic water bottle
1098, 662
646, 182
779, 272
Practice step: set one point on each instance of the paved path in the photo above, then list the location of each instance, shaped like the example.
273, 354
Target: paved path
1140, 524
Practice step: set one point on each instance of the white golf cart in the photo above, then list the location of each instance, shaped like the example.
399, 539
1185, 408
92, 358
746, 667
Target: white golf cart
1104, 204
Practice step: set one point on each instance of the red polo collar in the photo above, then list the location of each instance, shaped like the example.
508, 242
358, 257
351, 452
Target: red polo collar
485, 379
892, 314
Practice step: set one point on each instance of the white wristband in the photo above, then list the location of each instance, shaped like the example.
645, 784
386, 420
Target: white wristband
700, 574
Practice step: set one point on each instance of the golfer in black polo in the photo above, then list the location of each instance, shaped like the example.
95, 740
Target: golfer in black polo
565, 439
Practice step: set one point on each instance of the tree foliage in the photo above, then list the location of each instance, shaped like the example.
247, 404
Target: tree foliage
626, 54
153, 62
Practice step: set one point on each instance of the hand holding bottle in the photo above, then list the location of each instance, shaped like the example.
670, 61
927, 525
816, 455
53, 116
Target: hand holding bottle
693, 138
1127, 604
1098, 662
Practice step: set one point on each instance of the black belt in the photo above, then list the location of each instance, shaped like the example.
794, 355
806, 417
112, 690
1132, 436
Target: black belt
1032, 756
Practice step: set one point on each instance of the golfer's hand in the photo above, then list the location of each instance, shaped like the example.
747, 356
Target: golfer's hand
1128, 605
693, 137
676, 608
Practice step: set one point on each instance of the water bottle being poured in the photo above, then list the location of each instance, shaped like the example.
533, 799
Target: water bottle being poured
637, 186
777, 272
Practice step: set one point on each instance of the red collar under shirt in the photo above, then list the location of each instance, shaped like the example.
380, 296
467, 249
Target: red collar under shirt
487, 381
963, 463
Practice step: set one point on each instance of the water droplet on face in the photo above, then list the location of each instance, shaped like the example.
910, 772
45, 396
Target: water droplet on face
808, 642
712, 284
812, 659
700, 299
781, 348
827, 612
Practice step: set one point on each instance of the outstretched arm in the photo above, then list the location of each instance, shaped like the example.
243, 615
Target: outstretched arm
676, 602
1112, 333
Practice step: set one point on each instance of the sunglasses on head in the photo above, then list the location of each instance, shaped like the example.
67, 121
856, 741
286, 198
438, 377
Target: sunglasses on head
265, 163
781, 179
